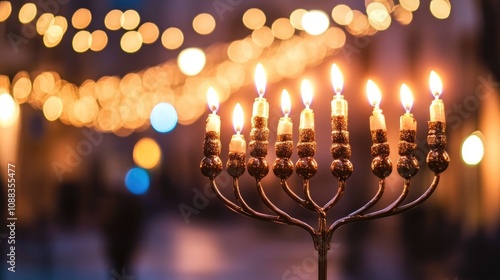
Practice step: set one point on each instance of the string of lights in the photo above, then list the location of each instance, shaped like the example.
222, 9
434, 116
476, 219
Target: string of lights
122, 105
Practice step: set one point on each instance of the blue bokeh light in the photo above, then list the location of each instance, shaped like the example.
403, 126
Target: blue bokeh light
137, 181
163, 117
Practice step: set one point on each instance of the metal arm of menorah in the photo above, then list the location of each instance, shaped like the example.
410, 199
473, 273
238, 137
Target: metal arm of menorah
306, 168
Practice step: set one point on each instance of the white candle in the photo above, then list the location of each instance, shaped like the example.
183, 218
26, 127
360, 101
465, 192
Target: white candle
307, 115
237, 143
260, 106
377, 119
339, 105
437, 106
407, 121
285, 125
213, 121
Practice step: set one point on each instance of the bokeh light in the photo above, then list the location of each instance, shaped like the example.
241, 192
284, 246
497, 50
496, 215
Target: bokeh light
82, 41
296, 18
473, 148
21, 87
9, 110
131, 41
410, 5
163, 117
441, 9
172, 38
315, 22
5, 10
137, 181
204, 24
335, 38
27, 13
113, 18
52, 108
402, 15
53, 36
263, 37
240, 51
149, 32
378, 16
254, 18
282, 29
191, 61
81, 18
44, 22
342, 14
146, 153
99, 40
359, 23
130, 19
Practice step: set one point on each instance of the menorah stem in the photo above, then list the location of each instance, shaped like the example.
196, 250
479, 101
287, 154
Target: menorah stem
322, 246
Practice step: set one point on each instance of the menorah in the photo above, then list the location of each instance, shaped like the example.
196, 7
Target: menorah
306, 166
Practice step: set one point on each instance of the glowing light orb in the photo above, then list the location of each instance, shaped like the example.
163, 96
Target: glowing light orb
473, 149
137, 181
147, 153
315, 22
191, 61
163, 117
9, 110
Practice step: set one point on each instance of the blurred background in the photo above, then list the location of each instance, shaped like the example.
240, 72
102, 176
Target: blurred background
103, 108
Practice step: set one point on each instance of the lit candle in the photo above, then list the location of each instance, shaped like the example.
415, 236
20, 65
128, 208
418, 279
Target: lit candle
377, 119
213, 121
407, 122
237, 144
260, 106
339, 104
437, 105
307, 115
285, 125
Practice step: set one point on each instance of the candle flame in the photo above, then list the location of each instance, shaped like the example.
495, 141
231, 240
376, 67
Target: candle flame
238, 118
406, 97
286, 103
374, 94
213, 100
307, 92
260, 79
435, 84
337, 79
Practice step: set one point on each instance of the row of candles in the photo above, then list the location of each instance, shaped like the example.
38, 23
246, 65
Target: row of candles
339, 107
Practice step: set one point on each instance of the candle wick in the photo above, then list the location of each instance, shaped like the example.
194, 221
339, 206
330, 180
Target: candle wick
407, 111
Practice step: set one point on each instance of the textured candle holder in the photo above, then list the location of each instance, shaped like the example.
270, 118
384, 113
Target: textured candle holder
306, 167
